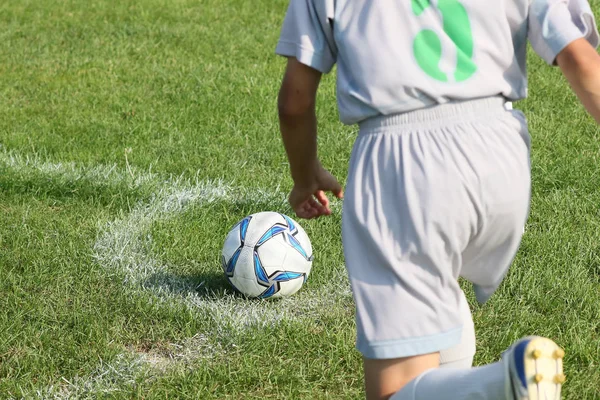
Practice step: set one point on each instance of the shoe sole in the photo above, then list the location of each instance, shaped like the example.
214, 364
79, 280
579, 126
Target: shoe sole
543, 366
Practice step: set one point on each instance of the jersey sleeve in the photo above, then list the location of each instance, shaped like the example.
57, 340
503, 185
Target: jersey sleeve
307, 34
553, 24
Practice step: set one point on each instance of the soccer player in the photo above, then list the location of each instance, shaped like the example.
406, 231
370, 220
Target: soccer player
439, 177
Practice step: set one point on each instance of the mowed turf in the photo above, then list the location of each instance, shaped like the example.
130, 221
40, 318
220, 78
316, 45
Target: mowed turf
110, 109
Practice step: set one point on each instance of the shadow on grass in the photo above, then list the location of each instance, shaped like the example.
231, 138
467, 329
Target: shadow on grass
210, 282
116, 195
201, 284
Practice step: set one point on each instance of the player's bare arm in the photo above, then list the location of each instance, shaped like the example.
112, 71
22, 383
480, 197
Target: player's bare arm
580, 63
298, 124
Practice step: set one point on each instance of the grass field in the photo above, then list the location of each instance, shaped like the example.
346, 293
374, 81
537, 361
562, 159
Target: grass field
134, 134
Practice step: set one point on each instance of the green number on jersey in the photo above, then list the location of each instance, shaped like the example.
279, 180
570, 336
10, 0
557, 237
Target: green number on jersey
428, 47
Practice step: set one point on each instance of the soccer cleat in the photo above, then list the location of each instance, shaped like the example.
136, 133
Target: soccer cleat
535, 369
559, 353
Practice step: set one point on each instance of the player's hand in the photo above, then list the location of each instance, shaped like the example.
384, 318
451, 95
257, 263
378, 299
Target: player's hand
309, 199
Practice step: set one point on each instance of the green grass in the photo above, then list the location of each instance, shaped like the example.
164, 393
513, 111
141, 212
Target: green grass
109, 107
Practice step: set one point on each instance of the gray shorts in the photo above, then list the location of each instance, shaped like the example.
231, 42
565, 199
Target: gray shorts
432, 195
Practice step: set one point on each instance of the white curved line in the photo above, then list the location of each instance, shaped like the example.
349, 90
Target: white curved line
123, 245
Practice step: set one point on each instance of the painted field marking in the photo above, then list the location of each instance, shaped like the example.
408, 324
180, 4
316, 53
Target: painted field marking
122, 246
71, 172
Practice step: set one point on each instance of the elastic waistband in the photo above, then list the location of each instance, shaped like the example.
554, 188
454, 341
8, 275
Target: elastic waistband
447, 112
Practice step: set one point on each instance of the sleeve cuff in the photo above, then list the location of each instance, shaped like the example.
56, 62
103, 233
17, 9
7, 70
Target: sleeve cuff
563, 36
563, 25
319, 61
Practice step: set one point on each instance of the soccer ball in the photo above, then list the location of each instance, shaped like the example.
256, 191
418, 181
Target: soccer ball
267, 254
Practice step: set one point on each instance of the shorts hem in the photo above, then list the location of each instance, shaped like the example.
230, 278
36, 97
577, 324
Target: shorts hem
410, 347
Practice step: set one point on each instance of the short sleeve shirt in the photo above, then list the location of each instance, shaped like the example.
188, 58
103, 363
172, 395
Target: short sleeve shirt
395, 56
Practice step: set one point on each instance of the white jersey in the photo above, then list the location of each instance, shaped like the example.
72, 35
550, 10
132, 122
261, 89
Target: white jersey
399, 55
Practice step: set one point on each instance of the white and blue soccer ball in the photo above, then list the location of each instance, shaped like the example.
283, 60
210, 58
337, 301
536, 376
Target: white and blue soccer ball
267, 255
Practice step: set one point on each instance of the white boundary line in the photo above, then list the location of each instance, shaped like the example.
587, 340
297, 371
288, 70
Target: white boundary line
109, 378
67, 171
122, 246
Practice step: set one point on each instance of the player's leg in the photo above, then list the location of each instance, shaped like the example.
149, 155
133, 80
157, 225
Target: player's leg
383, 378
531, 369
406, 312
406, 219
388, 376
403, 280
482, 383
461, 355
505, 197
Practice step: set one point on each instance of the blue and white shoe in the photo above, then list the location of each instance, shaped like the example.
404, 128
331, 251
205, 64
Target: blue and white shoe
535, 369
